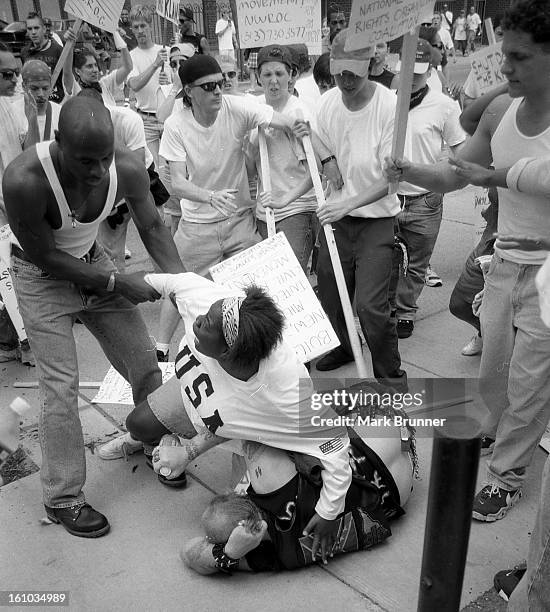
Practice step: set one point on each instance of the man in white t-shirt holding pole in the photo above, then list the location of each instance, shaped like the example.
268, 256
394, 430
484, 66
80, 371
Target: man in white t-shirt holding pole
148, 75
225, 31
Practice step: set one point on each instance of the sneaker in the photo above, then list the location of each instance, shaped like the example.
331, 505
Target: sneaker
120, 447
80, 520
8, 355
487, 446
507, 580
432, 278
474, 347
492, 503
162, 357
24, 354
405, 328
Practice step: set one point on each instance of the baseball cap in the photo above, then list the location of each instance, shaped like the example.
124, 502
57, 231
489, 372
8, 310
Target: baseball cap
187, 12
299, 54
275, 53
352, 61
423, 58
185, 49
35, 70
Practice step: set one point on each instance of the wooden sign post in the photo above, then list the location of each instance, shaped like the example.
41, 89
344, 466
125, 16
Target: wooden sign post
266, 181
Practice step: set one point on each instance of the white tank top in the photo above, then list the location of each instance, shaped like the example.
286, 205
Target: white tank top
74, 237
518, 213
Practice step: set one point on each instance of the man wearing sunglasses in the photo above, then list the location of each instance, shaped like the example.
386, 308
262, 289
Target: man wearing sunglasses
188, 34
336, 21
203, 144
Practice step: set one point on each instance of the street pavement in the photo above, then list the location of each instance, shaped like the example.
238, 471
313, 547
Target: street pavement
137, 566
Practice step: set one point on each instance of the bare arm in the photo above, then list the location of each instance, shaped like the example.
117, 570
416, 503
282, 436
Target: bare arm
205, 46
471, 115
138, 82
126, 67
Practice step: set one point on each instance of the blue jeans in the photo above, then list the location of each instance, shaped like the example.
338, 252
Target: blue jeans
300, 231
49, 307
533, 591
365, 248
418, 226
515, 370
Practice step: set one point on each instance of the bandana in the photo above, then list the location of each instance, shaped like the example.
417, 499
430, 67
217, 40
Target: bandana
197, 67
230, 319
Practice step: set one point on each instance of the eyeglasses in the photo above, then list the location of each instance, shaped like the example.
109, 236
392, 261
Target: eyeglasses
176, 63
183, 20
231, 74
210, 86
8, 75
335, 22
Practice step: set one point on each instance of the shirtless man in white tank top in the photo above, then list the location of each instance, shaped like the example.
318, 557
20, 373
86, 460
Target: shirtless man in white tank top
56, 195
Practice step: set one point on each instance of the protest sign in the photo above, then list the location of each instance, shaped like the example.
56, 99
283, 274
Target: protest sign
7, 290
374, 21
101, 13
115, 390
285, 22
271, 264
481, 203
486, 69
169, 9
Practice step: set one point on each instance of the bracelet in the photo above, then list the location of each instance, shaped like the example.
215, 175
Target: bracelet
327, 159
111, 283
224, 562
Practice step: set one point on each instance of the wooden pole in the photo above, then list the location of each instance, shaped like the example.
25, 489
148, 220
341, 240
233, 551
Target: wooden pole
406, 74
68, 48
266, 181
336, 263
491, 38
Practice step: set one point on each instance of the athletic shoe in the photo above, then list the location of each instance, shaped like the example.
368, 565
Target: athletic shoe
405, 328
162, 357
119, 447
492, 503
507, 580
487, 445
8, 355
432, 278
24, 354
474, 347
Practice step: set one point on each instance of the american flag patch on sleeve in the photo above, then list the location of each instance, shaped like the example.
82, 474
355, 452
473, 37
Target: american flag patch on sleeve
331, 446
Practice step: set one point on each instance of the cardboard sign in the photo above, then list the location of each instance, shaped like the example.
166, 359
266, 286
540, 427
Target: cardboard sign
169, 9
374, 21
284, 22
101, 13
481, 203
272, 264
486, 69
116, 390
7, 291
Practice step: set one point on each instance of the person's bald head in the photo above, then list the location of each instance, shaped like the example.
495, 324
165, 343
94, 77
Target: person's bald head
86, 138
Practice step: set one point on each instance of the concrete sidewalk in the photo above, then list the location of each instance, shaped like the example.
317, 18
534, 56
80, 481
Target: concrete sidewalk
136, 566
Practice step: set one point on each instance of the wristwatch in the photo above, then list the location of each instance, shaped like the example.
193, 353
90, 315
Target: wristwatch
327, 159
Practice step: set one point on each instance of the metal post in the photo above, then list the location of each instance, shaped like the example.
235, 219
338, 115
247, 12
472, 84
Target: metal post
452, 485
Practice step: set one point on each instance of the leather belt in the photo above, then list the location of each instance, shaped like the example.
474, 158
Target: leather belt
404, 198
20, 254
146, 113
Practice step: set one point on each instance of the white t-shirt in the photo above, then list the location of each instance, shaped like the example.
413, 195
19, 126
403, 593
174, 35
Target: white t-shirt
446, 20
433, 123
446, 38
146, 97
129, 131
473, 21
460, 28
434, 81
360, 140
214, 155
287, 163
308, 93
109, 88
225, 40
56, 109
272, 407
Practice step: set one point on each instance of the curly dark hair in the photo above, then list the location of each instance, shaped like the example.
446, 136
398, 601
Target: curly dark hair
260, 327
531, 16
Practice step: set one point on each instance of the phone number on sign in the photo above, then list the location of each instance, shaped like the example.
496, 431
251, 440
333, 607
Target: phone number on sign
34, 598
264, 36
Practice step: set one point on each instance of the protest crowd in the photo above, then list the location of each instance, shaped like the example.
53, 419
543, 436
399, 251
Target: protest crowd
206, 167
